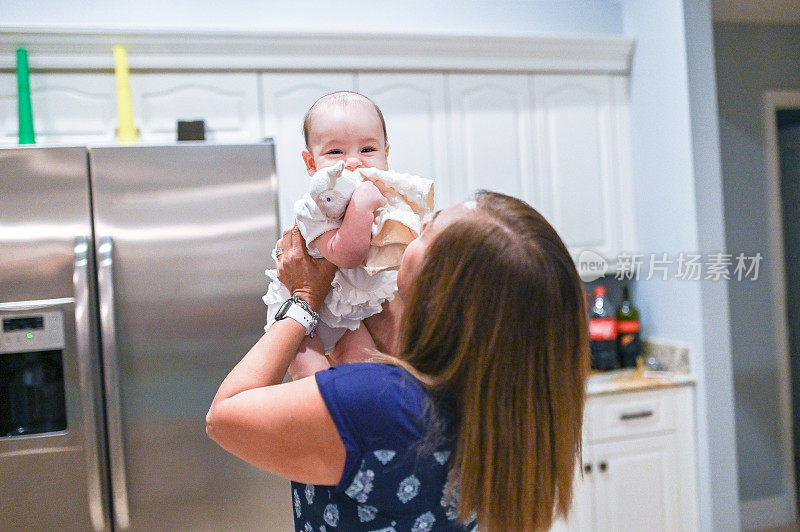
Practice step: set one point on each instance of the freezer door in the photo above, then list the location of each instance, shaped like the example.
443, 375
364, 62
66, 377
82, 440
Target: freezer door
52, 473
184, 235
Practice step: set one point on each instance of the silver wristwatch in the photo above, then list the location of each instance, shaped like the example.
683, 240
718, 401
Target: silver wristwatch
299, 311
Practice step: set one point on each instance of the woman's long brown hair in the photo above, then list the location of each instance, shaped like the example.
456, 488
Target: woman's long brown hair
496, 330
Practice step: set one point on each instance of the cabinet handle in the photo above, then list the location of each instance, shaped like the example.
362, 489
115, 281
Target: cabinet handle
603, 466
636, 415
587, 468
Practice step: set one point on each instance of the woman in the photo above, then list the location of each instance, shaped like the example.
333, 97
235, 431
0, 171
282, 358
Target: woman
478, 419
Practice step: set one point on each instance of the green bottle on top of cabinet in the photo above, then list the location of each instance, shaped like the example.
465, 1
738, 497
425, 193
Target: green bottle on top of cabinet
26, 135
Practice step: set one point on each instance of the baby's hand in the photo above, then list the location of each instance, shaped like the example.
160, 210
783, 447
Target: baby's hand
368, 197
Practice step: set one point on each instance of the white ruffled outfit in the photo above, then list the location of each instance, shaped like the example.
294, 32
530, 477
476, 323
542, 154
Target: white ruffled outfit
360, 292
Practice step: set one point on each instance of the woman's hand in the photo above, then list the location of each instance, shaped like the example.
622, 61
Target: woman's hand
305, 277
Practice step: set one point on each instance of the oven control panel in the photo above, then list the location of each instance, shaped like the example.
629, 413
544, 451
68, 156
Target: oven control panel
31, 331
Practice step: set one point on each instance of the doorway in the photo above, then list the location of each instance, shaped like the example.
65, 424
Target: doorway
788, 130
782, 154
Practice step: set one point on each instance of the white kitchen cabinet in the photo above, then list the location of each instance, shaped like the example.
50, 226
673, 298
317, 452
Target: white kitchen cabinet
636, 484
8, 109
67, 108
227, 102
560, 142
490, 136
582, 160
414, 107
82, 108
638, 464
285, 98
581, 515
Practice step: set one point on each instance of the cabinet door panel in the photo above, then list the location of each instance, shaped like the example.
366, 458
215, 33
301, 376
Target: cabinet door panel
67, 108
285, 100
413, 106
490, 139
639, 488
576, 158
581, 515
227, 102
8, 109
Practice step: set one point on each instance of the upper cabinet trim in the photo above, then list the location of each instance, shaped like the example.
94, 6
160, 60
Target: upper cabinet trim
91, 49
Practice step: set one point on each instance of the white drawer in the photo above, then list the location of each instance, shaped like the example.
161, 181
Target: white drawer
630, 414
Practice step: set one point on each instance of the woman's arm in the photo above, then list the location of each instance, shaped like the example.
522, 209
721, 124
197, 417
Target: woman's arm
384, 327
347, 246
282, 428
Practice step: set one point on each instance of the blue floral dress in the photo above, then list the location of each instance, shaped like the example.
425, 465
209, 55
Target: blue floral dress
390, 482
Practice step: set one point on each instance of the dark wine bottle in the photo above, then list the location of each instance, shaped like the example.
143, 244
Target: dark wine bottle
629, 343
603, 332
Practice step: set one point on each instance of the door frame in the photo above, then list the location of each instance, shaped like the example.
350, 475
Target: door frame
783, 508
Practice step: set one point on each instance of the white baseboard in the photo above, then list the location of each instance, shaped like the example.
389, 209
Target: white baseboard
769, 512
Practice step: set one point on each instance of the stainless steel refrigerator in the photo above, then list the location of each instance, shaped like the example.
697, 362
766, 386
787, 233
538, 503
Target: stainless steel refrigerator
130, 283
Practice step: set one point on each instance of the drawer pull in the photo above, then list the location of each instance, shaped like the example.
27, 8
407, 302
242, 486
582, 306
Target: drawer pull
636, 415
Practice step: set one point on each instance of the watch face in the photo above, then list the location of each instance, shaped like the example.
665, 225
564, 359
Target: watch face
283, 310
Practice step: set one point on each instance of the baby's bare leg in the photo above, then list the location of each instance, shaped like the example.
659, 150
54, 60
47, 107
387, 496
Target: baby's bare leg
354, 346
310, 359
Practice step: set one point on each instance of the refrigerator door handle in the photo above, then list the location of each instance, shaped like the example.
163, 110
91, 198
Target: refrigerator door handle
80, 282
116, 454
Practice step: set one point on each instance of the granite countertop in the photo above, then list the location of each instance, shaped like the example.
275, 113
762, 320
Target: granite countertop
626, 380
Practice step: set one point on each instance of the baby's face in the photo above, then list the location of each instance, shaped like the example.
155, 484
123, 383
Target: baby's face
351, 133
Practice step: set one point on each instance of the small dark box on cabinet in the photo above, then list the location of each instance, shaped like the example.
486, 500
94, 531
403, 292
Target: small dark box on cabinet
191, 130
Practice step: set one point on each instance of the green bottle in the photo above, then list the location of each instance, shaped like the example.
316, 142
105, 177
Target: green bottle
629, 343
25, 115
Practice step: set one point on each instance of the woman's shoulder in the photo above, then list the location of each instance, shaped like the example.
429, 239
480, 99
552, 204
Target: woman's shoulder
361, 369
374, 394
371, 380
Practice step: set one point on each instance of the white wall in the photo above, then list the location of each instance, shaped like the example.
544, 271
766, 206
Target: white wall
675, 161
452, 16
715, 394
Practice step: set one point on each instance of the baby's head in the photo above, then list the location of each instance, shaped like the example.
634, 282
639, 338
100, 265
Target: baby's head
345, 126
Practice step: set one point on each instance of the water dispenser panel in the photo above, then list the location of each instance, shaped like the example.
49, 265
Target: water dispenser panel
31, 331
32, 398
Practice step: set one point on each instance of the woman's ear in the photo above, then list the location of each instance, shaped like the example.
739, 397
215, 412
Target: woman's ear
387, 150
311, 166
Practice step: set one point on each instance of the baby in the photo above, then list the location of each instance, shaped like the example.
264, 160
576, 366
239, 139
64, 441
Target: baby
357, 214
